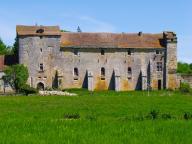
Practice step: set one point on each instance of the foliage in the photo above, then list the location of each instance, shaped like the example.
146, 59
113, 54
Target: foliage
185, 88
103, 117
16, 76
3, 48
184, 68
26, 89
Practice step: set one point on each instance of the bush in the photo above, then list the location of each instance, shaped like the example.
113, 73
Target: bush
28, 90
153, 114
71, 116
185, 88
166, 116
187, 115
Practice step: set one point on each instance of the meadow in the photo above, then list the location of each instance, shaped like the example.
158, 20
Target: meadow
97, 118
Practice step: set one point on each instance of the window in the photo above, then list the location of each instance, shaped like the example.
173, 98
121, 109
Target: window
159, 52
129, 52
76, 52
102, 52
102, 73
41, 49
76, 73
129, 71
41, 67
40, 31
159, 66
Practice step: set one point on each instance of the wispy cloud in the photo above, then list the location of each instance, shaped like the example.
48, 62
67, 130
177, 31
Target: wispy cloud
96, 25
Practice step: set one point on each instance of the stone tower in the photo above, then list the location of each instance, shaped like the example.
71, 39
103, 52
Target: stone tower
171, 59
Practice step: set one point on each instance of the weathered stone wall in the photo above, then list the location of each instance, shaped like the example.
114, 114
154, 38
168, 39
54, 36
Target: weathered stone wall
171, 62
59, 63
185, 78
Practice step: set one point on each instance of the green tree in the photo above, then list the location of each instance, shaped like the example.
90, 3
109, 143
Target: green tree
16, 76
184, 68
3, 48
190, 65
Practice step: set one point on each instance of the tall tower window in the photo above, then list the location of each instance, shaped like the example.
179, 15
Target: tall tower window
102, 73
129, 71
159, 66
76, 73
41, 67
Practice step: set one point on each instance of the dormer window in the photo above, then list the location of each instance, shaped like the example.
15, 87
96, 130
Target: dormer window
40, 31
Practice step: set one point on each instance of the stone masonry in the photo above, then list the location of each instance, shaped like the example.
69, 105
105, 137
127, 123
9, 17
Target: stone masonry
98, 61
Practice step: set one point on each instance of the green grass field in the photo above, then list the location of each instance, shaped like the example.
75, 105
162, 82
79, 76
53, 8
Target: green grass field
97, 118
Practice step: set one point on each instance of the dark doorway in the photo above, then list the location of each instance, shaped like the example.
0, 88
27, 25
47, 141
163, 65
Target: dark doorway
159, 84
40, 86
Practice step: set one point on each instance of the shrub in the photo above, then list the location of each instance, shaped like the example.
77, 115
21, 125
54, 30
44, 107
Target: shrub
185, 88
72, 116
28, 90
166, 116
153, 114
187, 115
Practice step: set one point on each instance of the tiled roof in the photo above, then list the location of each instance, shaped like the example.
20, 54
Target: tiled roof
37, 30
111, 40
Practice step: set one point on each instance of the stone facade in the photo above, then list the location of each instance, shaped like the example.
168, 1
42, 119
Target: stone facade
98, 61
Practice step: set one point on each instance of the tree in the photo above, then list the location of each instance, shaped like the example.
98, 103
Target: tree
3, 48
184, 68
190, 65
16, 76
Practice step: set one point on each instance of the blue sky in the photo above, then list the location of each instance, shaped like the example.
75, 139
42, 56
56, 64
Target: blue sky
149, 16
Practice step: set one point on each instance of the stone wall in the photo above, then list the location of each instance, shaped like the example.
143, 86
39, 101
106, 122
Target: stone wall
186, 78
59, 64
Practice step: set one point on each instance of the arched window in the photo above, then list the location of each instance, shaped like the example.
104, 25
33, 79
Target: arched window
76, 73
102, 73
40, 86
102, 52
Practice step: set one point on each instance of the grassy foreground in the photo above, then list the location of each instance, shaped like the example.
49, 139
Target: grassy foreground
97, 118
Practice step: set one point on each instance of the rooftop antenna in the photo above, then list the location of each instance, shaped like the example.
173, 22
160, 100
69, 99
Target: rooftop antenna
79, 29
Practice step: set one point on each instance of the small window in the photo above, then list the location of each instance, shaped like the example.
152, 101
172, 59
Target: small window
41, 49
159, 52
76, 52
76, 73
102, 52
159, 66
41, 67
102, 73
129, 71
129, 52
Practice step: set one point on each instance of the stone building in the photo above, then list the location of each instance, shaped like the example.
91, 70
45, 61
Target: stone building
98, 61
